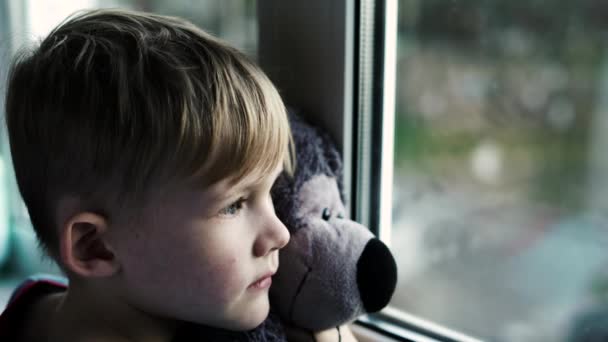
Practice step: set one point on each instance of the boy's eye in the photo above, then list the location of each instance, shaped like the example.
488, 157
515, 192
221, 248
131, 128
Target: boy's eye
233, 208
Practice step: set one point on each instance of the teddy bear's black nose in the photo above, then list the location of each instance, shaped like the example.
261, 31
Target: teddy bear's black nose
376, 275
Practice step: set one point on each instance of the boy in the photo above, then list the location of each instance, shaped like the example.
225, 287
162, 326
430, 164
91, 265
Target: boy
145, 151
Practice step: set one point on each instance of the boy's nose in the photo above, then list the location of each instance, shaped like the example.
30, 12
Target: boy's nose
274, 235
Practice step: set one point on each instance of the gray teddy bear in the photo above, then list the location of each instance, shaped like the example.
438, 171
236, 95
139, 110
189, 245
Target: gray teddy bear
333, 269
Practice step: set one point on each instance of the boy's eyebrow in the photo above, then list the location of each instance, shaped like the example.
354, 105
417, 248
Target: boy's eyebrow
262, 179
245, 185
223, 196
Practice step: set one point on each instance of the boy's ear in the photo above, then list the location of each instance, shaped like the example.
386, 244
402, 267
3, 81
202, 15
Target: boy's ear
84, 249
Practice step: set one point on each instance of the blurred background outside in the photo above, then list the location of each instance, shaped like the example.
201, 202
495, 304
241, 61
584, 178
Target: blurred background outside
501, 167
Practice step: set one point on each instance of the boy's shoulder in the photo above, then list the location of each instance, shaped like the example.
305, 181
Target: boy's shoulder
23, 297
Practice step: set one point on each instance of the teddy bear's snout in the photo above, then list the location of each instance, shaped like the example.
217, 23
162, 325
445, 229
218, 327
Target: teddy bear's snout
376, 275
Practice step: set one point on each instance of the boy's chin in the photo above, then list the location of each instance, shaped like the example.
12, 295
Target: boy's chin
239, 319
253, 319
247, 319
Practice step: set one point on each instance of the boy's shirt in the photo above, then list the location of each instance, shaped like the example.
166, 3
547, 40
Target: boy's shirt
27, 293
36, 287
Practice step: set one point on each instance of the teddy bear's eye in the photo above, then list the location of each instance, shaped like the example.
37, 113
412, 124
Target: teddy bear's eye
340, 216
326, 214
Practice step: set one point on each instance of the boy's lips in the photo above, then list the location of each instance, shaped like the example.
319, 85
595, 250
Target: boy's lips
262, 282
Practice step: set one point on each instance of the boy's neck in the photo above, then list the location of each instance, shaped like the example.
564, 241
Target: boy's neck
76, 315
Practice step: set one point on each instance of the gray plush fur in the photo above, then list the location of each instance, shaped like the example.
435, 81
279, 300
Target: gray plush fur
315, 155
315, 287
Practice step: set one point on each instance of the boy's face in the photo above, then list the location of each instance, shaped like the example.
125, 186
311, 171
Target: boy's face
198, 255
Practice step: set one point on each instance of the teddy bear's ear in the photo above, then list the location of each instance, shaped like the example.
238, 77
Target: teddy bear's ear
333, 159
332, 156
316, 151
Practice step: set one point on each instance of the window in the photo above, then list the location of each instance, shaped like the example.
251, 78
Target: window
499, 192
473, 138
22, 21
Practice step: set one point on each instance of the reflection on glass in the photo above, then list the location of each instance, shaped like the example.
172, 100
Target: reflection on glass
501, 168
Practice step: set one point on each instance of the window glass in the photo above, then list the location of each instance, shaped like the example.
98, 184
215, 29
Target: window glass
500, 173
23, 21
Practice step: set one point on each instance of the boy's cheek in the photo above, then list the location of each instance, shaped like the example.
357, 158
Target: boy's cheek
223, 280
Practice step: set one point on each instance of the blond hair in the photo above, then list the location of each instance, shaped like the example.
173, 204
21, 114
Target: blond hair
113, 102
